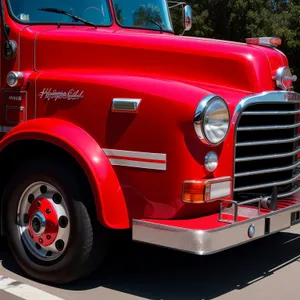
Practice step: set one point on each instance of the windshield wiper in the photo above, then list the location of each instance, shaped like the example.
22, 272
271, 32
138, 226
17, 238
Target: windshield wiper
63, 12
156, 23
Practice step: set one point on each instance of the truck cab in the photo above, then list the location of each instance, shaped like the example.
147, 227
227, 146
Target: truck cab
112, 122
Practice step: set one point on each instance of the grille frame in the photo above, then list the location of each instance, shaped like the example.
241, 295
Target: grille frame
271, 97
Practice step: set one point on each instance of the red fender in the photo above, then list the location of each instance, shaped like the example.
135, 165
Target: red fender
109, 199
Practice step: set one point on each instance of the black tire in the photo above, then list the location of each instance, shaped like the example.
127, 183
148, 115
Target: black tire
88, 240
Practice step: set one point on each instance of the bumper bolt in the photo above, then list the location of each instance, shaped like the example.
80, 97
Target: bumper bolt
59, 245
63, 222
43, 189
57, 198
26, 218
30, 198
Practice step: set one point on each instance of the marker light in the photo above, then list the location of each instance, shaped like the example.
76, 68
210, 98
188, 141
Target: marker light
206, 190
15, 79
264, 41
211, 161
285, 78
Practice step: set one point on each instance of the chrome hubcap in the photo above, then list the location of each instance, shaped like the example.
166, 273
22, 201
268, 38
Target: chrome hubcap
43, 221
38, 223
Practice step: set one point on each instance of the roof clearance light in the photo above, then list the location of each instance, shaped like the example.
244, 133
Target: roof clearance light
264, 41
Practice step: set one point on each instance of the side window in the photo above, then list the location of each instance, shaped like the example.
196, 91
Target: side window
96, 11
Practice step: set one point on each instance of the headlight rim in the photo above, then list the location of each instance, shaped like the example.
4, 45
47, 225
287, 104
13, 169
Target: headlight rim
199, 119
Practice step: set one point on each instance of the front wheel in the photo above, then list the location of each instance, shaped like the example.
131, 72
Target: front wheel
50, 230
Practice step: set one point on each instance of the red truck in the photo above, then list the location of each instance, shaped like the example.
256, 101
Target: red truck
111, 122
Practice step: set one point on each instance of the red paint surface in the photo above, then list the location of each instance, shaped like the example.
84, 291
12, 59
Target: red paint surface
171, 75
203, 223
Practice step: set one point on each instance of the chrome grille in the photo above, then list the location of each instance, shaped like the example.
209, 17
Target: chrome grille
266, 150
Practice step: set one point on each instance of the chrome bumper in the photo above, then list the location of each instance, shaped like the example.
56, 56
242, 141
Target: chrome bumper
234, 233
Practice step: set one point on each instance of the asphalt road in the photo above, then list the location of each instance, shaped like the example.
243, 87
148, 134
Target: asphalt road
264, 269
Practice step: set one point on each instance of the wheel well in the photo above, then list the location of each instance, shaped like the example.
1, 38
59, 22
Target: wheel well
16, 153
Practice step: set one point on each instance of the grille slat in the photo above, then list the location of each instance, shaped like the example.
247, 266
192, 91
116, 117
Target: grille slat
271, 156
268, 184
268, 170
276, 127
267, 146
269, 142
265, 113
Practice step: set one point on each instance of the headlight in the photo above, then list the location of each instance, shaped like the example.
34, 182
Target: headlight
212, 120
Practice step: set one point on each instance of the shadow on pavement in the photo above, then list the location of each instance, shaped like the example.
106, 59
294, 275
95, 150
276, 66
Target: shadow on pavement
158, 273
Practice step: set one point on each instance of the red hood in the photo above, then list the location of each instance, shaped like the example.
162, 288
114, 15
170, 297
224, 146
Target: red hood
234, 65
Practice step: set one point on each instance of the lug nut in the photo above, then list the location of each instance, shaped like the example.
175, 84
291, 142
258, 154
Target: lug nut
49, 253
43, 189
41, 241
38, 204
63, 222
57, 198
38, 246
59, 245
26, 218
30, 198
48, 211
48, 236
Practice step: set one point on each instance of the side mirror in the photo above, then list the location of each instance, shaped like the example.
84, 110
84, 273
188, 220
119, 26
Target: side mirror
188, 18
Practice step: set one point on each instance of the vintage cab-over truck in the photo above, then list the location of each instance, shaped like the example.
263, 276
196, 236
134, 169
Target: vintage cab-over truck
111, 122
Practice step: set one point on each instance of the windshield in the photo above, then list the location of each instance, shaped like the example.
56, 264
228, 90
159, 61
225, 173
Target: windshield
95, 11
136, 13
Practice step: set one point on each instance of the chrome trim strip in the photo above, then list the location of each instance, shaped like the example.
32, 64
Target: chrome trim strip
279, 155
135, 154
266, 97
134, 159
136, 164
125, 105
276, 127
269, 142
289, 193
275, 183
264, 171
267, 113
204, 242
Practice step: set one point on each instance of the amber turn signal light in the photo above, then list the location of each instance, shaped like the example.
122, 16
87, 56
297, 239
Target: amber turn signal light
193, 191
206, 190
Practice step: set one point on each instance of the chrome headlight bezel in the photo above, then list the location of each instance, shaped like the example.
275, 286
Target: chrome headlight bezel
200, 115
